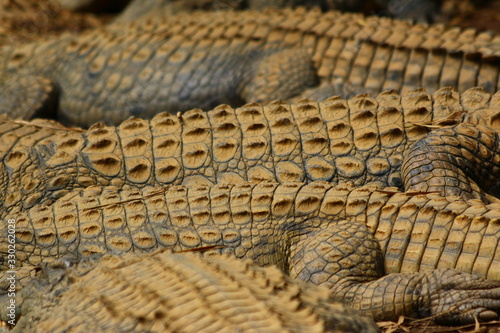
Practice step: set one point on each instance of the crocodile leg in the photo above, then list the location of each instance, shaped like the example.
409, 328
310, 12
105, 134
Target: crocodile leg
346, 258
454, 161
200, 60
342, 237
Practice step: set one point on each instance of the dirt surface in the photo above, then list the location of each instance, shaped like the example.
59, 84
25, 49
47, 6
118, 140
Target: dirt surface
26, 20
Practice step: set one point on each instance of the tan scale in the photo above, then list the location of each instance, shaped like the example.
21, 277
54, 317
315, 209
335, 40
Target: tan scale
335, 111
334, 201
167, 148
220, 205
141, 231
397, 246
102, 150
284, 198
349, 43
256, 143
226, 144
475, 99
374, 206
199, 206
417, 108
42, 132
196, 151
137, 151
91, 226
472, 245
159, 152
331, 55
377, 68
468, 73
447, 102
390, 120
256, 139
455, 238
67, 234
240, 204
414, 70
45, 238
364, 123
178, 207
487, 72
309, 198
450, 73
282, 127
317, 218
346, 59
362, 63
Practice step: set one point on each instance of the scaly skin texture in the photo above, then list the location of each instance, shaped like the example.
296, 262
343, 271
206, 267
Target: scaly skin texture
347, 239
422, 11
447, 159
164, 292
340, 141
204, 59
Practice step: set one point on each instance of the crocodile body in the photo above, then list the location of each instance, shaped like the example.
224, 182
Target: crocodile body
340, 141
422, 11
205, 59
189, 294
137, 9
302, 228
383, 252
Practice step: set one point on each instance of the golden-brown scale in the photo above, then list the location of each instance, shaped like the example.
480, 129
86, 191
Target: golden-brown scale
447, 159
355, 141
342, 237
205, 59
253, 220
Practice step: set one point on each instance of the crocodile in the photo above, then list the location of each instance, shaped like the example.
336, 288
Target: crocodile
417, 114
380, 251
190, 293
391, 139
137, 9
422, 11
205, 59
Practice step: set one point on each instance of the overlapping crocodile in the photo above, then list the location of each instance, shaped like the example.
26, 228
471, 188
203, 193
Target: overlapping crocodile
166, 292
380, 251
303, 228
205, 59
390, 139
423, 11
